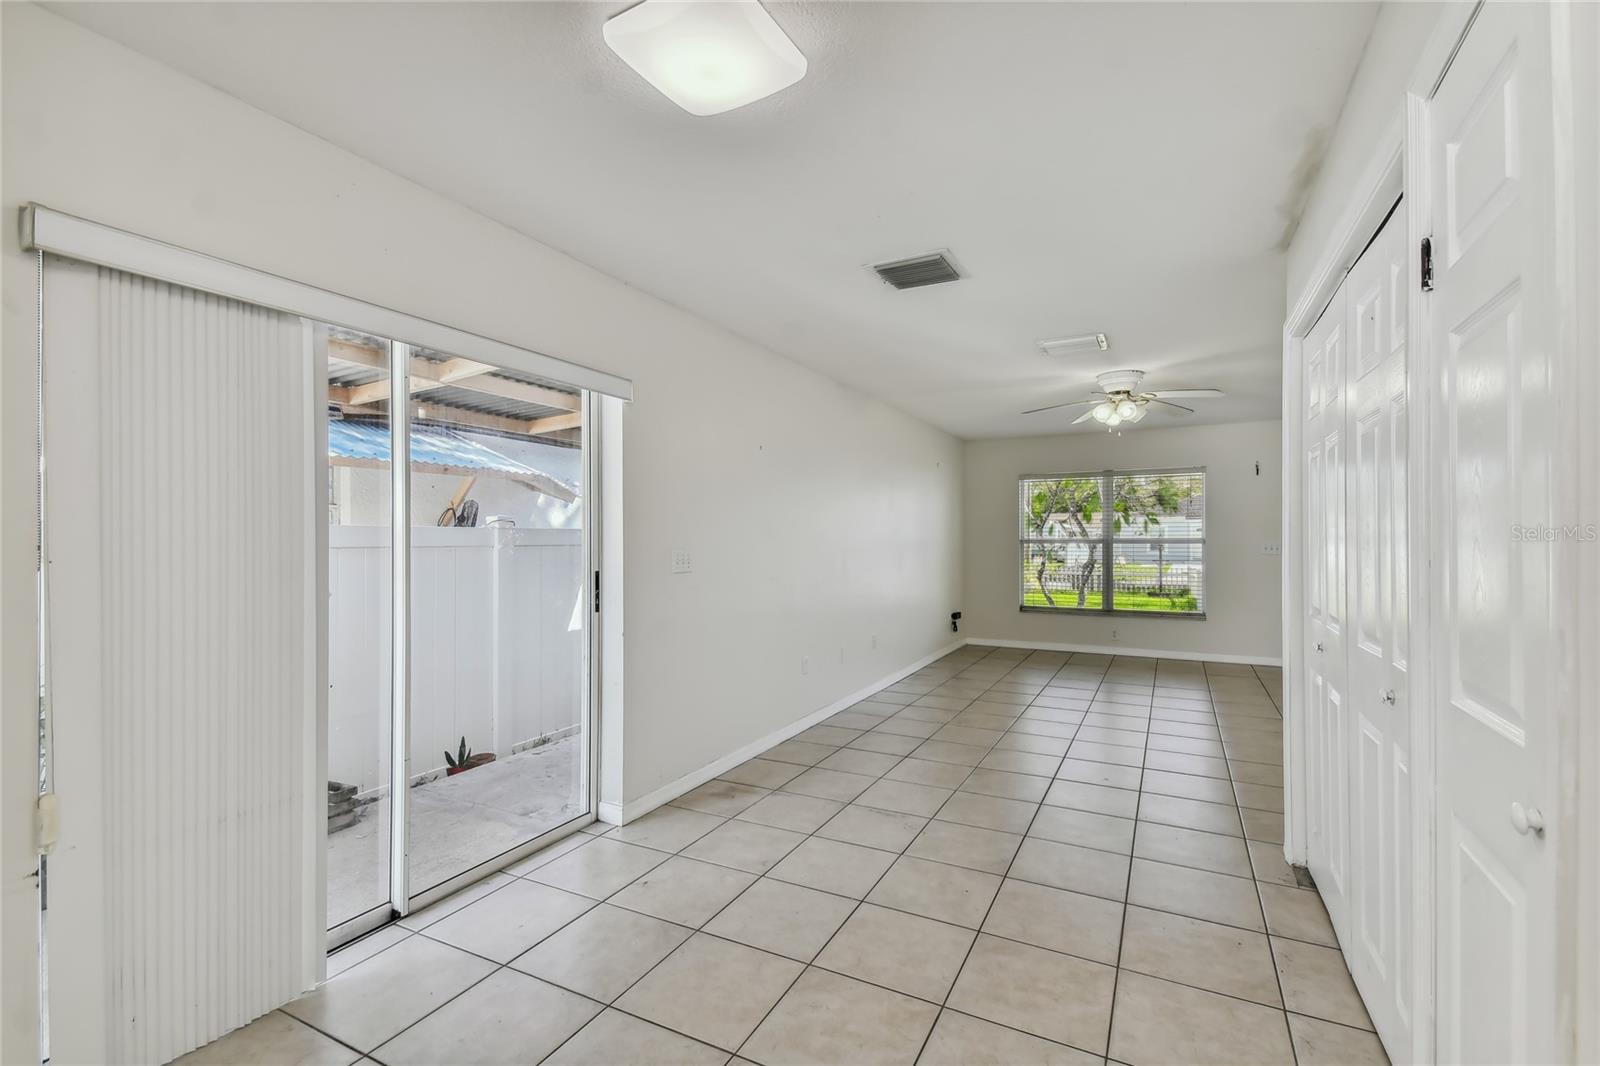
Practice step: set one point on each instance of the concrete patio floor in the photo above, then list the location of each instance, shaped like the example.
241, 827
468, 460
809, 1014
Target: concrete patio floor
457, 823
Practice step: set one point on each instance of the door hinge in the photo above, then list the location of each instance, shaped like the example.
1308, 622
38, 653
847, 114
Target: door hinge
1427, 264
46, 823
597, 592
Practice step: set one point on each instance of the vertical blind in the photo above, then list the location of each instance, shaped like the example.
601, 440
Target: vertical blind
181, 665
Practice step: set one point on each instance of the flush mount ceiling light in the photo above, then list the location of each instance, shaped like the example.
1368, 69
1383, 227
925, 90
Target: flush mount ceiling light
706, 56
1089, 342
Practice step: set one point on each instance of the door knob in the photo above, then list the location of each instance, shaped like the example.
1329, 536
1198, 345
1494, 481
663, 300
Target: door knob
1527, 819
1387, 696
1319, 645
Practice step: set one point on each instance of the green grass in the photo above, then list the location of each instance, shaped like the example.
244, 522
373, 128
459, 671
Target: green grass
1123, 601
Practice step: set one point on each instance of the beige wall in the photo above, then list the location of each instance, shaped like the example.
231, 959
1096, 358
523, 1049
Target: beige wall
1243, 516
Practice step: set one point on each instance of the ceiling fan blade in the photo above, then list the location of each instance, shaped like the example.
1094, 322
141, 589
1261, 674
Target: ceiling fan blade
1084, 417
1174, 406
1058, 406
1184, 394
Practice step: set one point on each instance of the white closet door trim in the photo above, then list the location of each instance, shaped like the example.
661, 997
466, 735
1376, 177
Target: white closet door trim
91, 242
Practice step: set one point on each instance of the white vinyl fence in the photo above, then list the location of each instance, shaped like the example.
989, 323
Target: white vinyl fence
496, 644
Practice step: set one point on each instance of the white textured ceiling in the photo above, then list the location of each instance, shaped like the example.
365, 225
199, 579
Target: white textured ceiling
1127, 168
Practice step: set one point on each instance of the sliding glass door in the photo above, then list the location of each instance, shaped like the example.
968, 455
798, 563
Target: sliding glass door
460, 618
360, 624
499, 619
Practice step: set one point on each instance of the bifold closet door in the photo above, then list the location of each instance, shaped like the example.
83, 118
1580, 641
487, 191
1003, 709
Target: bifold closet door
181, 542
1358, 715
1326, 701
1378, 938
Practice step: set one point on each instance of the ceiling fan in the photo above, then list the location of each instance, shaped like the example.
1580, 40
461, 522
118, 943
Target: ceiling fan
1121, 401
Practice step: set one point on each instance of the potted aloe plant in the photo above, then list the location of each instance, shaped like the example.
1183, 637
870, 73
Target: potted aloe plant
464, 759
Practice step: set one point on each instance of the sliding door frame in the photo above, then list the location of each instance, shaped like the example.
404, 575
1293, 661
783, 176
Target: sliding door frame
43, 230
399, 798
402, 898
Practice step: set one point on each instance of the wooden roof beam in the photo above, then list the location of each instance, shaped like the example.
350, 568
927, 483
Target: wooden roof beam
458, 373
554, 423
461, 416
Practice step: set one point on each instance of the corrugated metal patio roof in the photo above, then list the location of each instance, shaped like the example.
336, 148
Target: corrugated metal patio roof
436, 449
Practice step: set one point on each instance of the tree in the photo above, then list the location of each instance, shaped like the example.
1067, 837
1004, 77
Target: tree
1067, 509
1064, 508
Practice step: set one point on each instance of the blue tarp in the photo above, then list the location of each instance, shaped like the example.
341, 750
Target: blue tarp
436, 446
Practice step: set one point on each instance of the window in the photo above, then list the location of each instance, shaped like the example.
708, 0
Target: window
1114, 541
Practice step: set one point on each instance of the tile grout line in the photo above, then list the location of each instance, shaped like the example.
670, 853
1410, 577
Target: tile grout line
945, 1002
853, 910
1127, 894
449, 999
960, 788
499, 966
701, 929
852, 914
1272, 953
973, 700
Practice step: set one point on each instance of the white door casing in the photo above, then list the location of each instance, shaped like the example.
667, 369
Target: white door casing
1327, 796
1497, 589
1378, 940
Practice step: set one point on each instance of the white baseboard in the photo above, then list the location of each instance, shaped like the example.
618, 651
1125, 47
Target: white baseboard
621, 814
1118, 649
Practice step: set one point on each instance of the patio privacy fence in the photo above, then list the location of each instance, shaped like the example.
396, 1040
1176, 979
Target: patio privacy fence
496, 644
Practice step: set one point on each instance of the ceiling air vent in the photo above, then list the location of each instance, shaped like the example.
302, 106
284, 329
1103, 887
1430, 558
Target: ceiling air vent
1089, 342
934, 268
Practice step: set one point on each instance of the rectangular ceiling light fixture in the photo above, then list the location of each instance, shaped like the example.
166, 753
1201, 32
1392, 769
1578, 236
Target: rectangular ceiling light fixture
1089, 342
931, 269
706, 56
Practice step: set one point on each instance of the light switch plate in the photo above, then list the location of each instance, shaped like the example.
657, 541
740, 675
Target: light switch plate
681, 562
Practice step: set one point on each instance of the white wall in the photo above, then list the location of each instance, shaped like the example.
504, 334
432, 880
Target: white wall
1242, 511
818, 518
1373, 112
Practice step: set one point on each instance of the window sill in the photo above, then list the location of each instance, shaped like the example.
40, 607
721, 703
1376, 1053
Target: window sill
1096, 612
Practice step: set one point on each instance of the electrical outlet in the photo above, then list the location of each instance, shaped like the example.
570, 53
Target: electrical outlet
805, 664
1272, 549
681, 561
1113, 634
874, 642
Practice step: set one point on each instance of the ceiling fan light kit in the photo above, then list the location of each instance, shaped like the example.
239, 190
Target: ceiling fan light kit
1120, 401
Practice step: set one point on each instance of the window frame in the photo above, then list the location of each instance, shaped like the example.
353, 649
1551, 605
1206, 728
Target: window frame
1105, 542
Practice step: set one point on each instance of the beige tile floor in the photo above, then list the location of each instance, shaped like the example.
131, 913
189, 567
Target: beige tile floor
1007, 857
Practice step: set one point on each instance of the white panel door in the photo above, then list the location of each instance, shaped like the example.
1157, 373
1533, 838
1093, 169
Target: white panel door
1327, 719
1378, 945
1492, 337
